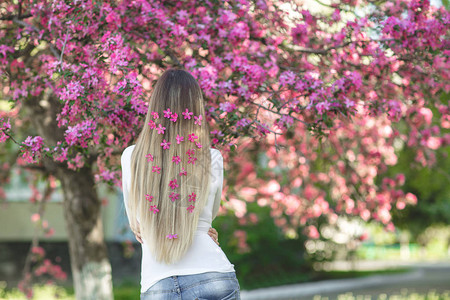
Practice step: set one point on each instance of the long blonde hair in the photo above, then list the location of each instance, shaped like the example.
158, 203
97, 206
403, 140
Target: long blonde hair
167, 223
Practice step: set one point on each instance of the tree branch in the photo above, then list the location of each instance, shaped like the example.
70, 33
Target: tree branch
10, 136
278, 113
11, 17
35, 29
174, 58
326, 50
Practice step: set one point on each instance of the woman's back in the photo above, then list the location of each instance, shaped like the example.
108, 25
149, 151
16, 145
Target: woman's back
172, 185
203, 255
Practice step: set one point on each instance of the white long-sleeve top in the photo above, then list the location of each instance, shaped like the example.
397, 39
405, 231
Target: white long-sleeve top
204, 255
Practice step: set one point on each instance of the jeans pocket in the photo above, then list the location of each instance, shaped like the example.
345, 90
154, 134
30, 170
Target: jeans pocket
233, 296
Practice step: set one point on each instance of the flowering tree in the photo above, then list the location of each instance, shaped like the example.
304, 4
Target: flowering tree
77, 75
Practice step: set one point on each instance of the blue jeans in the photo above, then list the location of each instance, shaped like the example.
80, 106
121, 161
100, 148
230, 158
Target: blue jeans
204, 286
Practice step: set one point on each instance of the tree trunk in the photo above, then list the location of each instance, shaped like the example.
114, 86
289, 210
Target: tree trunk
91, 269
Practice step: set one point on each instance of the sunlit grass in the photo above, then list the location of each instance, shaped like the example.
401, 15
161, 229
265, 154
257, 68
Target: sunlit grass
53, 292
47, 292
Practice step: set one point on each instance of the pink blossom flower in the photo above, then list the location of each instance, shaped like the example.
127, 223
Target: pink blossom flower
242, 122
173, 184
156, 169
172, 236
152, 124
192, 137
198, 144
160, 129
148, 198
187, 114
239, 31
155, 115
174, 196
34, 143
167, 113
149, 157
176, 159
165, 144
191, 159
198, 120
153, 209
322, 107
349, 103
192, 197
179, 139
287, 77
174, 117
190, 152
190, 208
227, 106
183, 172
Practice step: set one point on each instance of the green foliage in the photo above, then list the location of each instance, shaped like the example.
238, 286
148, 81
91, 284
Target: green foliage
432, 188
431, 185
272, 258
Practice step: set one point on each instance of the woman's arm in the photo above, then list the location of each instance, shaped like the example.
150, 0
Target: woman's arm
125, 165
218, 169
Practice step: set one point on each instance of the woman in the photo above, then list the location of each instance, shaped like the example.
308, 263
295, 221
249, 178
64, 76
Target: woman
172, 185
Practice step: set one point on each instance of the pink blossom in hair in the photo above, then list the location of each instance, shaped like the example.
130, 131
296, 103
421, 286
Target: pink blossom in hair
152, 124
176, 159
191, 159
174, 196
190, 208
192, 137
172, 236
183, 172
192, 197
148, 197
187, 114
179, 139
167, 113
165, 144
198, 145
160, 129
198, 120
174, 117
155, 115
173, 184
156, 169
149, 157
153, 209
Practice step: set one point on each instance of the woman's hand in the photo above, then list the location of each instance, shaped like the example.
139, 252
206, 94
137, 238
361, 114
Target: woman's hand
214, 235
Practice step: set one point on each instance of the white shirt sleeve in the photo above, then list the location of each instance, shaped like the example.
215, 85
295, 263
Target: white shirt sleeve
125, 164
218, 169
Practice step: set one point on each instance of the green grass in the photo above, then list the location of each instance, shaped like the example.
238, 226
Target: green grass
124, 291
